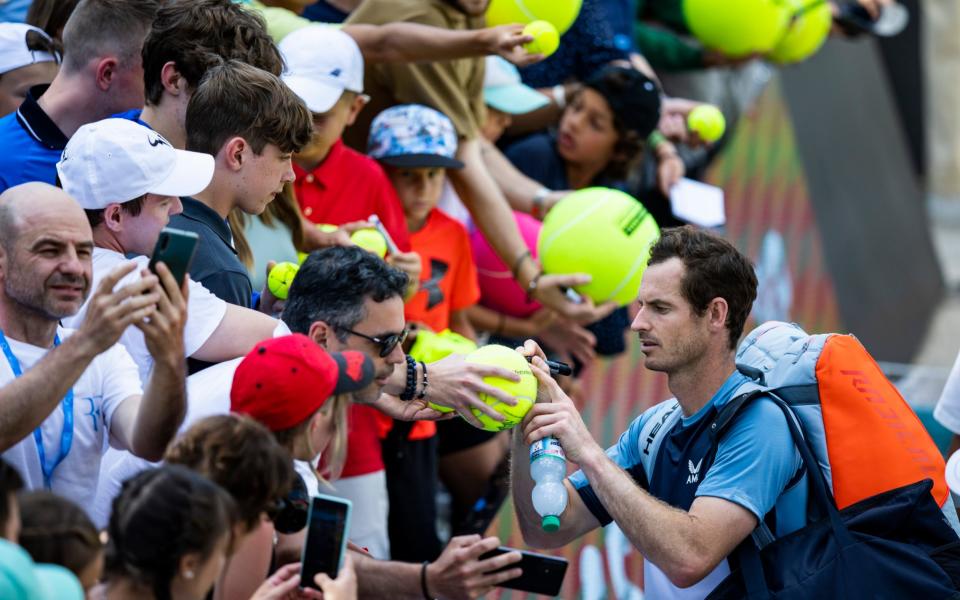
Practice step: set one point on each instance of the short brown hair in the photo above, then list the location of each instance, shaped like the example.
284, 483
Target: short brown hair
713, 269
99, 26
57, 531
191, 32
236, 99
240, 455
133, 208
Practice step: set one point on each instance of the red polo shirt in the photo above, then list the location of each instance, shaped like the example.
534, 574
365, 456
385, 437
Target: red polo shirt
348, 186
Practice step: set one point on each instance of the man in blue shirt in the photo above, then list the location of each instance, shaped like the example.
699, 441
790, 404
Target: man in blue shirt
101, 75
688, 506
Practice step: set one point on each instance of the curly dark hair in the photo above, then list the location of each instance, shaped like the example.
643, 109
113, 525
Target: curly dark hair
332, 285
714, 268
241, 456
191, 32
160, 516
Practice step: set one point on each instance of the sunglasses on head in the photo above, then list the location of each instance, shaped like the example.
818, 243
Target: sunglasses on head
387, 344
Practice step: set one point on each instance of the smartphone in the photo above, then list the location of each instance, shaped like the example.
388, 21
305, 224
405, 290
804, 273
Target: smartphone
542, 574
328, 525
175, 248
378, 225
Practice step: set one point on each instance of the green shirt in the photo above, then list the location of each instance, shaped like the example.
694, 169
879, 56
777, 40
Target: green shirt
280, 21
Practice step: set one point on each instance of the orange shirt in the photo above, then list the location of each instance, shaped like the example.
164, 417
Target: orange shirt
448, 280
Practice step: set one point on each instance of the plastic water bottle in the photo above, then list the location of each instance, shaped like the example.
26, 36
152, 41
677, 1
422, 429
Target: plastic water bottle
548, 467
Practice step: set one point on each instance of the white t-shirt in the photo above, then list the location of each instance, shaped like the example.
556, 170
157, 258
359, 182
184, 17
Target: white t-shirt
204, 311
109, 380
208, 394
947, 410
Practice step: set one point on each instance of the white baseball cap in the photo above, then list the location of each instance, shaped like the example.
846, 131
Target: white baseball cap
321, 63
14, 52
118, 160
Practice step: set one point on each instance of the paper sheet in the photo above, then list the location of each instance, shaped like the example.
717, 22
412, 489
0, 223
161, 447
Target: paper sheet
698, 203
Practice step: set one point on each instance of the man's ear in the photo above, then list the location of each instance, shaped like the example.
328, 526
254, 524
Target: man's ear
173, 82
113, 217
106, 72
235, 152
321, 333
355, 107
717, 311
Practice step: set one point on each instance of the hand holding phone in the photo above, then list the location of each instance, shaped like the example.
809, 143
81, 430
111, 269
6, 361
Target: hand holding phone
176, 249
328, 525
542, 574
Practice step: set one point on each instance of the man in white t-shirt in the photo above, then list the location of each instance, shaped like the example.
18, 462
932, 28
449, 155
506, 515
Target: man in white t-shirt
65, 394
128, 179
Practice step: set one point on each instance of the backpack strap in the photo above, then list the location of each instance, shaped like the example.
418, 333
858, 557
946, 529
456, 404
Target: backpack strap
664, 418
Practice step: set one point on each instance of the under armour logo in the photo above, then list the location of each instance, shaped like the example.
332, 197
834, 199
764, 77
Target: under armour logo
438, 269
157, 141
694, 475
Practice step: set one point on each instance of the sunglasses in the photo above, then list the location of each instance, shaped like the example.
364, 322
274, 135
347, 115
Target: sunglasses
387, 344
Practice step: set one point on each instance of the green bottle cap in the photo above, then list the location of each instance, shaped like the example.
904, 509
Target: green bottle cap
550, 523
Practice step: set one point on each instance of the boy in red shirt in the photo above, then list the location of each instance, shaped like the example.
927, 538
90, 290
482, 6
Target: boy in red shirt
416, 145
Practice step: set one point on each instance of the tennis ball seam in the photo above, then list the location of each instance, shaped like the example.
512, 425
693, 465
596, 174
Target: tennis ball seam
570, 224
523, 8
638, 264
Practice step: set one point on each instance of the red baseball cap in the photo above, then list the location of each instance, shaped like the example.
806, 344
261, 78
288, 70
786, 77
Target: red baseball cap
284, 380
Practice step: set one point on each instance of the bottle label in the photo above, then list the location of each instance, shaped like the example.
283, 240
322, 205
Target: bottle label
548, 446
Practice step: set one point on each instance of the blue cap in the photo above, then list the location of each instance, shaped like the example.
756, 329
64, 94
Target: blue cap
504, 91
412, 135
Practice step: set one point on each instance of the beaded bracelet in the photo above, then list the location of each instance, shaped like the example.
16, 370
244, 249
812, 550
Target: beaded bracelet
423, 390
411, 386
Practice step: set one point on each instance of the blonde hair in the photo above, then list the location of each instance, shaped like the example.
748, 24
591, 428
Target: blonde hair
335, 453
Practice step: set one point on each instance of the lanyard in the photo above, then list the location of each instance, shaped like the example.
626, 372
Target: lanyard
66, 436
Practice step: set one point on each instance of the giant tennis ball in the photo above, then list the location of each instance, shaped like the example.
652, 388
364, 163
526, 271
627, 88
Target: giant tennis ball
525, 390
707, 121
370, 239
737, 27
559, 13
280, 278
809, 27
546, 40
498, 289
604, 233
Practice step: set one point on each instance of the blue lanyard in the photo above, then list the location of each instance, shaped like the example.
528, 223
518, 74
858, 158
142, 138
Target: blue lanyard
66, 436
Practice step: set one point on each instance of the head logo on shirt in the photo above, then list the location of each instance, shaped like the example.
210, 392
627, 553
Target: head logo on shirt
694, 476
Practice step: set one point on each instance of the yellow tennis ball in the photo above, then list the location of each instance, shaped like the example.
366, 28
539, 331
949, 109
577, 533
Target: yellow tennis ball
708, 122
808, 29
525, 390
559, 13
370, 239
737, 27
604, 233
280, 278
546, 40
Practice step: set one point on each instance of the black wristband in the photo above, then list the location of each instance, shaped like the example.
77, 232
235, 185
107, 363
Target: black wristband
423, 580
411, 386
423, 390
